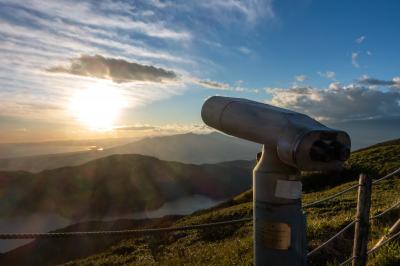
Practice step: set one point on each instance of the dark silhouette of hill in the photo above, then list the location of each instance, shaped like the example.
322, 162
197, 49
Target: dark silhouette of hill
118, 184
187, 148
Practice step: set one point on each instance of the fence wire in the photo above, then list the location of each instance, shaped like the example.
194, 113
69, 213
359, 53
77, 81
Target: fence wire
330, 197
386, 176
120, 232
385, 211
331, 239
308, 205
373, 249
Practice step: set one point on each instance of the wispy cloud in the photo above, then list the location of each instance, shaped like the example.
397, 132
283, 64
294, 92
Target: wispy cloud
354, 59
327, 74
244, 50
301, 78
360, 39
251, 10
167, 128
105, 15
212, 84
135, 127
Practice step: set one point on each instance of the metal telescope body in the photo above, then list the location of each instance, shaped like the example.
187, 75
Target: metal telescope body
291, 142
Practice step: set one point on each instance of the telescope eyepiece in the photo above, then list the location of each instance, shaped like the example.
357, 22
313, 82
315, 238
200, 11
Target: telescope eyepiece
329, 150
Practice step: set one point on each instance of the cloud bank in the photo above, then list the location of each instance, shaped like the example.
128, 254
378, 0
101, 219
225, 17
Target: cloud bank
338, 103
395, 82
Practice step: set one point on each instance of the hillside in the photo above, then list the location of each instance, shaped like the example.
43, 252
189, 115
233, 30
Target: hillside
232, 245
186, 148
116, 185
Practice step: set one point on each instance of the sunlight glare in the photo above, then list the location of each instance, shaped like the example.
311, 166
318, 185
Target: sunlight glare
98, 107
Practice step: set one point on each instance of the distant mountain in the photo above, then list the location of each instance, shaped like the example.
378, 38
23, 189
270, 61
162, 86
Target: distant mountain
24, 149
117, 184
364, 133
193, 148
187, 148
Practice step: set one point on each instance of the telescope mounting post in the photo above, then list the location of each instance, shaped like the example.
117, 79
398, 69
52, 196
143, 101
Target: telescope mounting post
279, 223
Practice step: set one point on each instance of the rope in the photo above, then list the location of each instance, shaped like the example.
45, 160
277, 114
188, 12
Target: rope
373, 249
386, 176
347, 261
385, 211
331, 239
308, 205
383, 243
119, 232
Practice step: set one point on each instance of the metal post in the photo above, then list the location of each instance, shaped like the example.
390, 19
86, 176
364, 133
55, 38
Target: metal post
361, 230
279, 223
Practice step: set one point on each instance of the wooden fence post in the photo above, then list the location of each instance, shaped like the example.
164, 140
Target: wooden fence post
361, 230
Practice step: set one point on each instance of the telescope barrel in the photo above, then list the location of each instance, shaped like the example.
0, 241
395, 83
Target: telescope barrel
300, 141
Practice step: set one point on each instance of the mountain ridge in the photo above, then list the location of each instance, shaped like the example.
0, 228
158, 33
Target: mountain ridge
186, 148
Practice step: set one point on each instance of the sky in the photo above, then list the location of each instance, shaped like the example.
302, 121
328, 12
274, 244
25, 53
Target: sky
95, 69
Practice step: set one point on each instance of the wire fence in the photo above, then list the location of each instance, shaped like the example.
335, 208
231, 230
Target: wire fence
121, 232
355, 221
4, 236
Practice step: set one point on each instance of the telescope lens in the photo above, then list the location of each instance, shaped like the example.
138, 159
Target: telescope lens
329, 150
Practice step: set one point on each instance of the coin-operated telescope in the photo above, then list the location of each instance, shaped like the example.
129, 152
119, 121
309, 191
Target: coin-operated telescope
291, 142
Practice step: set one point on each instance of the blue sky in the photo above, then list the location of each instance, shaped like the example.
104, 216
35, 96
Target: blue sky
151, 64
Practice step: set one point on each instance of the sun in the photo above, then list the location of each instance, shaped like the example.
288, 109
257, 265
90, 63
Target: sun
97, 107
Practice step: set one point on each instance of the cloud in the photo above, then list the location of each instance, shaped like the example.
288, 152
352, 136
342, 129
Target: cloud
338, 103
365, 80
251, 10
167, 128
135, 127
360, 39
354, 59
117, 70
123, 71
300, 78
244, 50
212, 84
110, 15
160, 4
327, 74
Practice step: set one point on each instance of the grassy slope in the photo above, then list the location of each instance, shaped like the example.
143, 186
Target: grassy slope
232, 245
